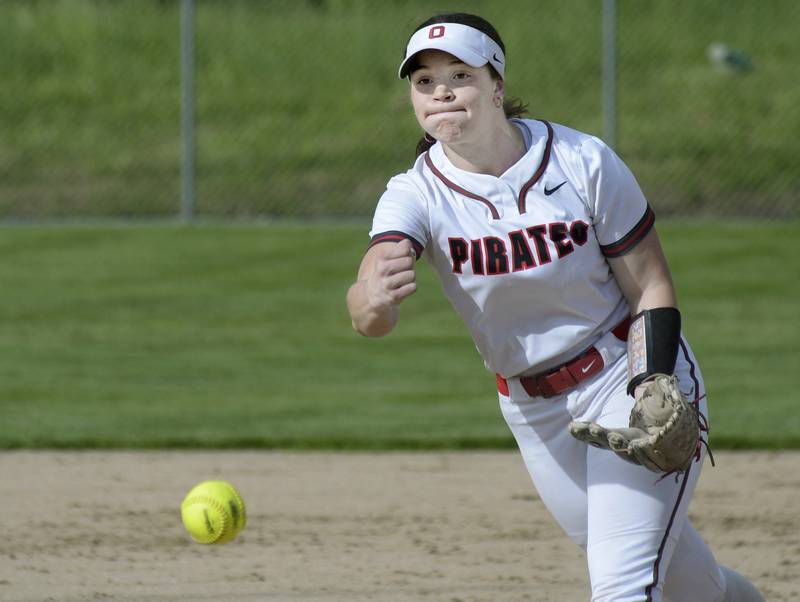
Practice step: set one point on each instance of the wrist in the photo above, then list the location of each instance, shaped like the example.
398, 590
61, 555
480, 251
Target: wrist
653, 340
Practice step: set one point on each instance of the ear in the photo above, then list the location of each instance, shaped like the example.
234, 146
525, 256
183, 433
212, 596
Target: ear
499, 88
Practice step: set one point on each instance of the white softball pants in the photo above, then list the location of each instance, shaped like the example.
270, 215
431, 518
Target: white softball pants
639, 542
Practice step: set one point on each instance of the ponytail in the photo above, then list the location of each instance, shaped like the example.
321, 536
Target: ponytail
424, 144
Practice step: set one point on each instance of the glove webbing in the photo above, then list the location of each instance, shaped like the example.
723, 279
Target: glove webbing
704, 428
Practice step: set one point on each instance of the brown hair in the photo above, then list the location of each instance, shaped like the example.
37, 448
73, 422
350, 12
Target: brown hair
513, 107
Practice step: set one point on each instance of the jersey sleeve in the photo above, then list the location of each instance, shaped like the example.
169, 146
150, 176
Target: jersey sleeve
622, 217
401, 213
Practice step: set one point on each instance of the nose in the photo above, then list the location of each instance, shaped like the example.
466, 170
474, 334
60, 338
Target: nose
443, 93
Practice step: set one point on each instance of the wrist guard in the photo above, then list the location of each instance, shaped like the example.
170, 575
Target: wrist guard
653, 341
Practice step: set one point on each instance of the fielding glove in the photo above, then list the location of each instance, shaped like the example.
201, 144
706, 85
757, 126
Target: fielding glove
663, 432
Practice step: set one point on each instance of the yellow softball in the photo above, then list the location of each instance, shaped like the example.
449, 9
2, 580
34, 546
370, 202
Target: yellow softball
213, 512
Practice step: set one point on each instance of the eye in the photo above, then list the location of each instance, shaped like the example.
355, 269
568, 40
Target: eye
422, 80
461, 75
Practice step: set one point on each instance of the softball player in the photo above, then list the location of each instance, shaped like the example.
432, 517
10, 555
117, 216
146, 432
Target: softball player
545, 246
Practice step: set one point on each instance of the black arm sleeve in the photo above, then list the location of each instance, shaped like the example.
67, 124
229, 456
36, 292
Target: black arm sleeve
653, 341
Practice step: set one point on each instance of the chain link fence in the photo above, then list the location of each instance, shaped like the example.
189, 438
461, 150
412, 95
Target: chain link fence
299, 112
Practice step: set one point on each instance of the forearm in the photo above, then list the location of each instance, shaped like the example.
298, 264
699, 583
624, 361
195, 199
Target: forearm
659, 293
367, 319
645, 280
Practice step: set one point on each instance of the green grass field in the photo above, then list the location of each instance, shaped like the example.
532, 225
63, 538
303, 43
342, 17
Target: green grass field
237, 335
300, 113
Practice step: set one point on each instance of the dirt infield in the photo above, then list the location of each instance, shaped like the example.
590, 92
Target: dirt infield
393, 527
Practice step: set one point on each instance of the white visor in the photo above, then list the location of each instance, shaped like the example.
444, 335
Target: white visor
466, 43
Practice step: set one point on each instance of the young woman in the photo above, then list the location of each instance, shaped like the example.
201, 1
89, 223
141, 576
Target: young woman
545, 246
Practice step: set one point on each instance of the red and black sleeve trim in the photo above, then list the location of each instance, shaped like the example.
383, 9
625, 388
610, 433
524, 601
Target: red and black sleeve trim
632, 238
396, 236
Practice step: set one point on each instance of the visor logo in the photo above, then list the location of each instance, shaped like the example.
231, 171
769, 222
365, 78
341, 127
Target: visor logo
436, 32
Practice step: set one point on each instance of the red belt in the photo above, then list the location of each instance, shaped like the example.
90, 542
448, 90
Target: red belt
568, 375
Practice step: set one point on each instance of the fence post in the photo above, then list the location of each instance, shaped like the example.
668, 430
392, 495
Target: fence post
610, 72
187, 110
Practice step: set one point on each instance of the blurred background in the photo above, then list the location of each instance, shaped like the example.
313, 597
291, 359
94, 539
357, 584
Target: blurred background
298, 111
150, 300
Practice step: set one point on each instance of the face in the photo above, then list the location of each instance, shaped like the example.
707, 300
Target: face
453, 102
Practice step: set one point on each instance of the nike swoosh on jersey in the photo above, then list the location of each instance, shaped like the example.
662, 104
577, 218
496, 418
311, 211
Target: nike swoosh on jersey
549, 191
588, 367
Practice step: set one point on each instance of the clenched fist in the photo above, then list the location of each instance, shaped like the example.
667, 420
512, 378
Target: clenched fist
385, 278
393, 277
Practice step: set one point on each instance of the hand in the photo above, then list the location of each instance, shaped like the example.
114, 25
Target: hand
393, 277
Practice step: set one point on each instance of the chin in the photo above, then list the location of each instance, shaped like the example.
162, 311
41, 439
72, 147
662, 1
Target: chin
448, 130
448, 135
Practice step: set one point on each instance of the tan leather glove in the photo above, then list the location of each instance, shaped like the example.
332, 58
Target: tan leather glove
663, 432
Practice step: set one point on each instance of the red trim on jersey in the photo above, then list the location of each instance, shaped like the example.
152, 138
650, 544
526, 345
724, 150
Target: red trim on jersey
539, 171
632, 238
457, 188
396, 236
523, 192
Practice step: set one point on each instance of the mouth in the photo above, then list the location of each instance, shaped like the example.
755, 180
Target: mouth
445, 112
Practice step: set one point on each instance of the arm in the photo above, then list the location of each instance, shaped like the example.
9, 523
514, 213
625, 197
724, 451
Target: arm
385, 278
644, 277
663, 432
645, 281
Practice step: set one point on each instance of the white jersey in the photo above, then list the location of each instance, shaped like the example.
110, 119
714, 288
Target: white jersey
522, 257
